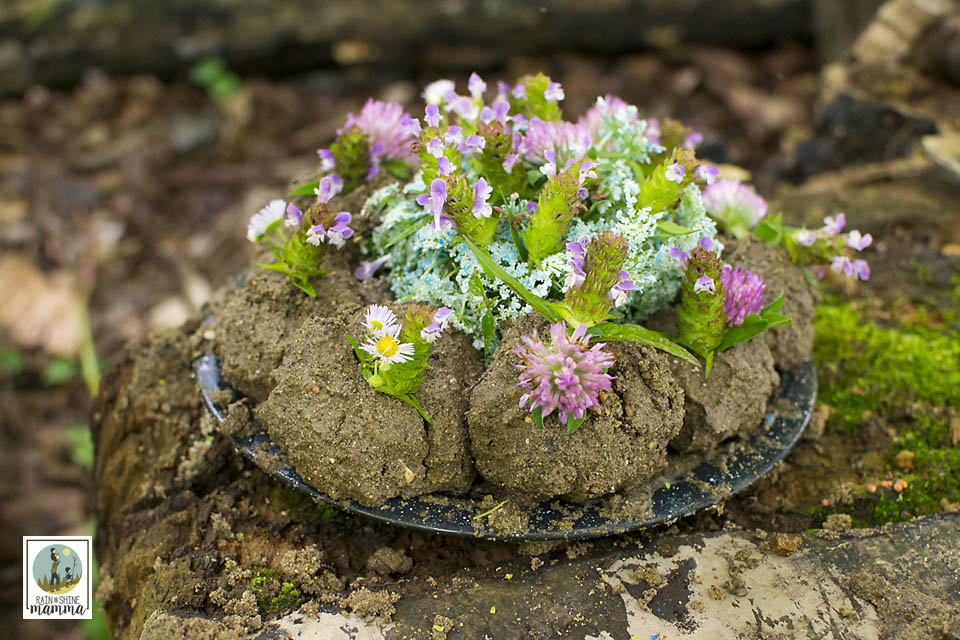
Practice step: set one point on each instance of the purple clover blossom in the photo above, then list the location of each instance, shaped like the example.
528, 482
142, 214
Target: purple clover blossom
675, 172
805, 237
605, 107
439, 322
498, 112
554, 92
476, 85
481, 193
743, 294
327, 162
435, 200
294, 216
735, 205
328, 187
833, 226
704, 283
432, 115
567, 140
619, 291
509, 161
566, 376
339, 232
858, 242
368, 268
381, 122
707, 172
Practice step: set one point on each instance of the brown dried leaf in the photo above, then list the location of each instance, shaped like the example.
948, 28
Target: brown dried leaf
39, 309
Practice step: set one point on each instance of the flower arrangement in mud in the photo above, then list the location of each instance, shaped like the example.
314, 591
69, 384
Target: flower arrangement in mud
502, 207
393, 355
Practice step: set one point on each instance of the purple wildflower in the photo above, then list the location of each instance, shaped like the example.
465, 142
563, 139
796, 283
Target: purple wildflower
549, 169
566, 376
369, 267
498, 112
675, 172
472, 144
509, 161
567, 140
435, 147
858, 242
476, 85
481, 193
339, 232
704, 283
679, 255
805, 237
519, 92
707, 172
576, 254
735, 205
439, 322
327, 162
841, 264
432, 115
444, 166
435, 200
743, 291
328, 187
294, 216
706, 243
410, 126
653, 131
693, 139
434, 92
554, 92
862, 269
316, 234
619, 292
453, 136
833, 226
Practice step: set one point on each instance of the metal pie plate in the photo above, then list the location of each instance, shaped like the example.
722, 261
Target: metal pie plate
689, 483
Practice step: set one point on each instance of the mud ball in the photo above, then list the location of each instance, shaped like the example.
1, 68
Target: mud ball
619, 445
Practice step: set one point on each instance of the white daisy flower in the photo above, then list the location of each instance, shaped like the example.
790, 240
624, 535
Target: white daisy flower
274, 211
388, 348
380, 321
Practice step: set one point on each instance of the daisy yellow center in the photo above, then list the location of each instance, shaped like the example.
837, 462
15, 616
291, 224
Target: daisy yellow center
387, 346
376, 324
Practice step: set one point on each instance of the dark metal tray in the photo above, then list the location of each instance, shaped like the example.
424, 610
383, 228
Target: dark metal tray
688, 484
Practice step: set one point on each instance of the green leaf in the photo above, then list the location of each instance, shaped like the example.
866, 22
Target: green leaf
59, 370
518, 243
537, 415
279, 267
411, 400
305, 189
362, 355
303, 285
770, 230
273, 226
573, 424
541, 306
405, 229
641, 335
534, 176
487, 326
755, 324
670, 228
475, 285
398, 169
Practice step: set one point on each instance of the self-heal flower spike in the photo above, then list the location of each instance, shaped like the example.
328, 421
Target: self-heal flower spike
736, 206
328, 187
432, 115
603, 282
700, 316
481, 194
743, 294
271, 213
566, 376
619, 292
704, 283
380, 320
339, 232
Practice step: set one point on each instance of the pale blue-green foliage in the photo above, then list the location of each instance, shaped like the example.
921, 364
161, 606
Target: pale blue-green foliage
432, 267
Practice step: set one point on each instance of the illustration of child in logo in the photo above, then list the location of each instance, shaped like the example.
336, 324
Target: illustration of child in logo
58, 572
